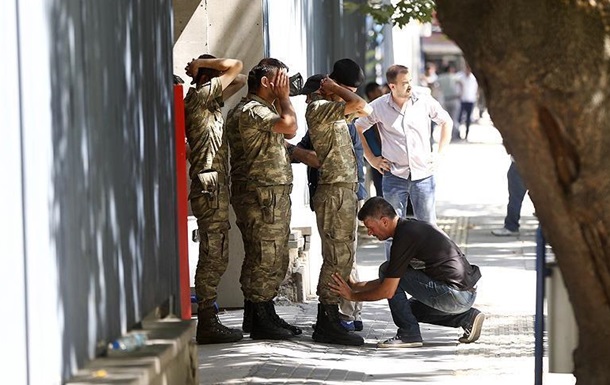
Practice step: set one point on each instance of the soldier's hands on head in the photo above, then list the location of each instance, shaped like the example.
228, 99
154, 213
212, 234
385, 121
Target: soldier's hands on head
280, 85
326, 86
191, 68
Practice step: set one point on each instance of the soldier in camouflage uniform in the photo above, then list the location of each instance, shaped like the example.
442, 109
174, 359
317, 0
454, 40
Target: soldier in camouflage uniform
239, 200
215, 80
239, 174
335, 201
266, 200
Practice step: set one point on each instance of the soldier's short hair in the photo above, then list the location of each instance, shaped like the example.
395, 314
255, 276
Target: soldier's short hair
266, 67
392, 73
376, 208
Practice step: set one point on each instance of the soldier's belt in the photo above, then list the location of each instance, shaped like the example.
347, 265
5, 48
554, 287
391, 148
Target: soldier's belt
278, 189
350, 186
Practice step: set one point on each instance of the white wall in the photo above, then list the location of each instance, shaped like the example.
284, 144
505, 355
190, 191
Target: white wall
406, 48
27, 232
223, 28
13, 359
287, 42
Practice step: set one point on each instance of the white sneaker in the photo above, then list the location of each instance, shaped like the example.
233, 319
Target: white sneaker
398, 342
504, 232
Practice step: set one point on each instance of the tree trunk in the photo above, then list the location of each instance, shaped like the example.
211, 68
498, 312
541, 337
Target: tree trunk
544, 67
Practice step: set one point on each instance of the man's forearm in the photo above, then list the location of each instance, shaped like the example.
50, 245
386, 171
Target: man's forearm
307, 157
220, 64
286, 111
364, 285
445, 138
368, 154
353, 102
368, 291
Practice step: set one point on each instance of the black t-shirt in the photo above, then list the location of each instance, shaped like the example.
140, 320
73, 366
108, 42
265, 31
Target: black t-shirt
444, 261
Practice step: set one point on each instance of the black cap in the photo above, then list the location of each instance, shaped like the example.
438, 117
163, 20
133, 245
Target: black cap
347, 72
312, 84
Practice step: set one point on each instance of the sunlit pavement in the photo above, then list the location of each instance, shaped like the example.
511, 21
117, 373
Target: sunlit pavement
471, 201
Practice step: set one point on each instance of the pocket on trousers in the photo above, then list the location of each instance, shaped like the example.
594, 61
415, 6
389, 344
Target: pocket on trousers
340, 235
342, 244
266, 202
209, 183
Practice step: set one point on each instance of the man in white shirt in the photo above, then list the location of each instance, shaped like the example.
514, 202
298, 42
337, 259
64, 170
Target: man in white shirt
404, 119
468, 89
451, 98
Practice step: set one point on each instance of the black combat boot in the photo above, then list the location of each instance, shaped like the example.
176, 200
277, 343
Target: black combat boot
328, 328
211, 331
246, 325
295, 330
263, 326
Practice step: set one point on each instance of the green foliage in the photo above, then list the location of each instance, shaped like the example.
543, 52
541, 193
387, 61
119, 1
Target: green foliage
399, 14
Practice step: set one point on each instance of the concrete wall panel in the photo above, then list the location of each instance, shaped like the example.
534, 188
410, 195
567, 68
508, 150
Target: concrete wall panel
223, 28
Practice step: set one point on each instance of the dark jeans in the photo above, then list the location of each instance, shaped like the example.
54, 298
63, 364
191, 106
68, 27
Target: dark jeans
516, 194
466, 108
377, 177
431, 302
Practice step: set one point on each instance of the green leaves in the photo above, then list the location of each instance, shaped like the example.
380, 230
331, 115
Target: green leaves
399, 14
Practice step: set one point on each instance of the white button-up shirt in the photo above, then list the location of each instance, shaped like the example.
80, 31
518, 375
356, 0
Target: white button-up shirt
405, 133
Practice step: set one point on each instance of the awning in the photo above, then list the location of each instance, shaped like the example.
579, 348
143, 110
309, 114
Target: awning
439, 44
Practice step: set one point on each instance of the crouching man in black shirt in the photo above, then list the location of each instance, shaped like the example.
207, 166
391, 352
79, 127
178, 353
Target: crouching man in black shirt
442, 293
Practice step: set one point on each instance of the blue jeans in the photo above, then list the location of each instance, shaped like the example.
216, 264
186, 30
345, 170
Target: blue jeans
431, 302
516, 194
397, 191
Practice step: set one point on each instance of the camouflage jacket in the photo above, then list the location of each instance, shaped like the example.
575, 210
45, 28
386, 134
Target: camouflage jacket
239, 170
204, 131
332, 142
265, 154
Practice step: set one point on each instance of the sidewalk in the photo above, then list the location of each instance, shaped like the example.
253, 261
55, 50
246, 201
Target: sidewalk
471, 201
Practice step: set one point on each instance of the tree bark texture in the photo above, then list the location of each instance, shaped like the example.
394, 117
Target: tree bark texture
544, 66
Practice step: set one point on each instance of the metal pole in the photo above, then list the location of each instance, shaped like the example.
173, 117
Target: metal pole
182, 205
539, 318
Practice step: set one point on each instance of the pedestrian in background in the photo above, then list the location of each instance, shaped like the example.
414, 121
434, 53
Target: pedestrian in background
516, 194
447, 82
468, 89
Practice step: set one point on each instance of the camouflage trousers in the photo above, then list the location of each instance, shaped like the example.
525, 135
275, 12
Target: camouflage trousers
266, 228
336, 208
351, 310
240, 199
212, 213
